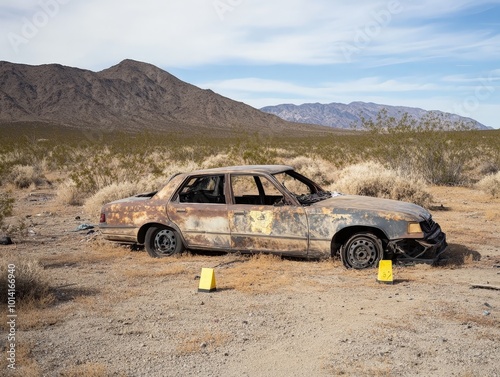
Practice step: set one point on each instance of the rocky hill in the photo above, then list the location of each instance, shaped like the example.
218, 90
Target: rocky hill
341, 115
128, 96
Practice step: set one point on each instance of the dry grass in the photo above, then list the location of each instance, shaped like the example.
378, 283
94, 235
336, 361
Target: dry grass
69, 194
32, 288
451, 312
261, 273
97, 252
24, 176
170, 269
112, 192
490, 185
88, 370
26, 365
372, 179
205, 341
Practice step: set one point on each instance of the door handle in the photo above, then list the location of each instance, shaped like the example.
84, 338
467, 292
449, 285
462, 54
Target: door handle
239, 212
179, 210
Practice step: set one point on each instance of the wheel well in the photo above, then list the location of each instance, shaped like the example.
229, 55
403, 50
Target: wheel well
141, 234
344, 234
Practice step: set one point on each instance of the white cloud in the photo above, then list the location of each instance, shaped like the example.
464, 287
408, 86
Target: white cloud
96, 33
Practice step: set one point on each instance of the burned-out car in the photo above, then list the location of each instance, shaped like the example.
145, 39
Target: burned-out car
271, 209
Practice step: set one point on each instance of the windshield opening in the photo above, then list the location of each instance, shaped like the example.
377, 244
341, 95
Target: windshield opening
306, 191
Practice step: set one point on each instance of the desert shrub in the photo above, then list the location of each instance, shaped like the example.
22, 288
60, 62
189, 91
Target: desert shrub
316, 169
6, 206
221, 159
23, 176
121, 190
31, 281
69, 194
109, 193
373, 179
433, 148
490, 185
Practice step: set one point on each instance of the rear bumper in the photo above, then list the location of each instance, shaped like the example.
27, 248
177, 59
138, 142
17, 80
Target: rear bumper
118, 234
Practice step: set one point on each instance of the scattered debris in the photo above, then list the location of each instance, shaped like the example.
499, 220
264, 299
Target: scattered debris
5, 240
83, 227
484, 286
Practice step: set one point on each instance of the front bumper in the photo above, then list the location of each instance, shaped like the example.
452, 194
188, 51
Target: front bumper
425, 250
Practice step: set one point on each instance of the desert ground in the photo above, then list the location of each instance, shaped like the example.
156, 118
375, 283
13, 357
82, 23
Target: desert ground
114, 311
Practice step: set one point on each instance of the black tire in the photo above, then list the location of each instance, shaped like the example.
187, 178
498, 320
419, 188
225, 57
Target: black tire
362, 250
163, 242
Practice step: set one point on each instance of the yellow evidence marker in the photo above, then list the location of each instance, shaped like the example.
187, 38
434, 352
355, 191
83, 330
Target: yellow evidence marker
385, 272
207, 280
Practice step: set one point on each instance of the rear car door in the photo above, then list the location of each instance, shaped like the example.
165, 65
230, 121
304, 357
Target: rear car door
199, 210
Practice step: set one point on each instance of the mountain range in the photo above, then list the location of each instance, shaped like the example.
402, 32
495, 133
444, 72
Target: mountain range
350, 115
129, 96
133, 96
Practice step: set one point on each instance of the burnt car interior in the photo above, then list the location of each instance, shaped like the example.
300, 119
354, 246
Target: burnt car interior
255, 190
252, 189
206, 189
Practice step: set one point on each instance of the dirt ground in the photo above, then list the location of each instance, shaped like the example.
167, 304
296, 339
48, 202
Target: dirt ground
118, 312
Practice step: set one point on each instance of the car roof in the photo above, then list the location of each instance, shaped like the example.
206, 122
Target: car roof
270, 169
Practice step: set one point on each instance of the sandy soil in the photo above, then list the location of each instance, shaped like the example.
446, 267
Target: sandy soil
118, 312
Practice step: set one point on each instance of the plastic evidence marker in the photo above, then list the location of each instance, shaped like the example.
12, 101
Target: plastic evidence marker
385, 272
207, 280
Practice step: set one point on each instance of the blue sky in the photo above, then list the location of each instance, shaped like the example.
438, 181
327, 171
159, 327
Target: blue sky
437, 55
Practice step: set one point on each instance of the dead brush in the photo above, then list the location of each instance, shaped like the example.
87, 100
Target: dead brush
490, 184
170, 269
31, 282
97, 251
26, 365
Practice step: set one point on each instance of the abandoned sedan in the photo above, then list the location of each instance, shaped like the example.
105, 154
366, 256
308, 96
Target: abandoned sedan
271, 209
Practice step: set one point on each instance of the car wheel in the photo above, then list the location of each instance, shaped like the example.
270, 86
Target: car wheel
163, 242
362, 250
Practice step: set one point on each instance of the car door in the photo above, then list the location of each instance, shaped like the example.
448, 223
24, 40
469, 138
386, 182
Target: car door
199, 210
262, 220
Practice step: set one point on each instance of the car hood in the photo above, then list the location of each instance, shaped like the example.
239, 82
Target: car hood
387, 207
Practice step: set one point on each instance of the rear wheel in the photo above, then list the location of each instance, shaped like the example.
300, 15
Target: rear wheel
362, 250
163, 242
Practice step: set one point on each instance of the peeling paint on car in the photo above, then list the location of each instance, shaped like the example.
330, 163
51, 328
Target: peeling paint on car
202, 209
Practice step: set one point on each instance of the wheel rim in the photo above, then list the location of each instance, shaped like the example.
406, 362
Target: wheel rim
362, 252
165, 242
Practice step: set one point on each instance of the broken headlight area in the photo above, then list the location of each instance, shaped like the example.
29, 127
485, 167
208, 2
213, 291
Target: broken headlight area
426, 250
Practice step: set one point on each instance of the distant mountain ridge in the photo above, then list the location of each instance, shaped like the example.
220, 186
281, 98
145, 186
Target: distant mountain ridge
341, 115
128, 96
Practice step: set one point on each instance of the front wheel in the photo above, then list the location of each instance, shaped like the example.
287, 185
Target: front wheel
163, 242
362, 250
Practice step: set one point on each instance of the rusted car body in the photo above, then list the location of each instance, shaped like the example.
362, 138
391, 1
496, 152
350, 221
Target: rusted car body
271, 209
